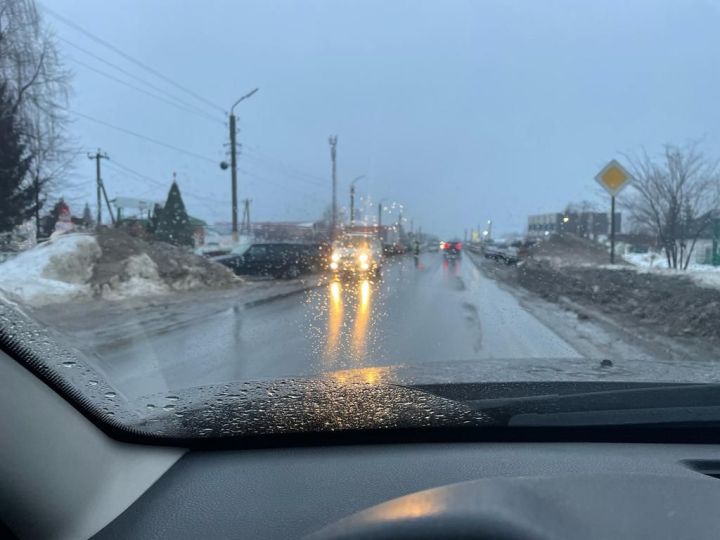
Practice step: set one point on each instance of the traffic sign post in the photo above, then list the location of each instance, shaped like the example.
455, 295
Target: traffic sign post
613, 178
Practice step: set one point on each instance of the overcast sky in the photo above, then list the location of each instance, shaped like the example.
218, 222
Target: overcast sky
463, 111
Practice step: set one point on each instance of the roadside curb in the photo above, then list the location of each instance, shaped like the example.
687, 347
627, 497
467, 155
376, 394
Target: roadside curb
280, 296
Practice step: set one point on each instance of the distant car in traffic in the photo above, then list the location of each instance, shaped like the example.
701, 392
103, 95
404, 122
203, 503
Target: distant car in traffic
356, 254
451, 249
275, 259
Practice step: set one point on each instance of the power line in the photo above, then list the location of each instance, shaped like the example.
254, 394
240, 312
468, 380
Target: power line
182, 150
147, 92
143, 137
136, 78
297, 172
158, 183
286, 171
129, 58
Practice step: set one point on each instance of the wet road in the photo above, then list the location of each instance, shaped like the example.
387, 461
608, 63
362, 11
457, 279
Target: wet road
438, 312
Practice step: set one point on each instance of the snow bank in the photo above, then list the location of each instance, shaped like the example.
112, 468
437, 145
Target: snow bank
111, 265
54, 271
703, 275
140, 278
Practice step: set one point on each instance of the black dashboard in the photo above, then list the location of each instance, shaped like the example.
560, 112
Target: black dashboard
476, 490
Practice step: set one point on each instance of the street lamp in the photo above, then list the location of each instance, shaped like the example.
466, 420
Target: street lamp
352, 199
233, 165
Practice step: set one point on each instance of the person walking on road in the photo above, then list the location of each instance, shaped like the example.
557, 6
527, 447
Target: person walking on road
416, 253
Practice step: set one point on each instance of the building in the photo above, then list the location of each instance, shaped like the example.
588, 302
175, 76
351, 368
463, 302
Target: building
284, 231
583, 224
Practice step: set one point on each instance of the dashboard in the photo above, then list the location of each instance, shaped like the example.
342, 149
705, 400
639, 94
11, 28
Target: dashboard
454, 490
62, 477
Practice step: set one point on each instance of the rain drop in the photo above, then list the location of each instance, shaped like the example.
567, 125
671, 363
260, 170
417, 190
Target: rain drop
168, 407
110, 395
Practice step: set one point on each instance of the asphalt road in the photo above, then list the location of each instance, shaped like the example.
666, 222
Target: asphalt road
439, 311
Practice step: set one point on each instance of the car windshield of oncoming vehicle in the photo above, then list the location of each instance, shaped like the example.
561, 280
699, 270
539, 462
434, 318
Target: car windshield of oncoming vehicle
326, 205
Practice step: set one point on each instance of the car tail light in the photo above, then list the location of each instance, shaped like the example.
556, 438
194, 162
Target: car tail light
443, 245
458, 246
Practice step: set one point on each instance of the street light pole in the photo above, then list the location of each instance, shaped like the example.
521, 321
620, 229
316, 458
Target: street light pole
233, 165
380, 209
352, 199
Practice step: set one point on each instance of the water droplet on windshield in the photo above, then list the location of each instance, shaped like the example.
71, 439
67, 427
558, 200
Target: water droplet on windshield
172, 398
92, 383
110, 395
150, 406
69, 364
168, 407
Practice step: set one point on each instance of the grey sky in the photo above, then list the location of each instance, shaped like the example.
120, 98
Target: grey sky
462, 111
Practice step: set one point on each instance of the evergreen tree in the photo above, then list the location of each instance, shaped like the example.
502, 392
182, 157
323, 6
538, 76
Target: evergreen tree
17, 194
173, 224
87, 216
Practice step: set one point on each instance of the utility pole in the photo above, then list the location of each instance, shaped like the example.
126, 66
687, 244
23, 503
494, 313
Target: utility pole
333, 155
100, 187
352, 199
352, 205
245, 227
233, 177
233, 165
380, 220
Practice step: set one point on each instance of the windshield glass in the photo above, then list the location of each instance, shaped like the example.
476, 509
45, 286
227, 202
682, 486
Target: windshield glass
533, 185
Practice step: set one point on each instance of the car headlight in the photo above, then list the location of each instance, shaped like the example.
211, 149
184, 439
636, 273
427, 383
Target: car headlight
335, 257
333, 266
364, 266
363, 257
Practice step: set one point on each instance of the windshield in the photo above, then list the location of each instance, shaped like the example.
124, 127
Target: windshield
423, 193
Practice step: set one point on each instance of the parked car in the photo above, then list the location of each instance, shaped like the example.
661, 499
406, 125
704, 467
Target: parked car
275, 259
501, 252
212, 249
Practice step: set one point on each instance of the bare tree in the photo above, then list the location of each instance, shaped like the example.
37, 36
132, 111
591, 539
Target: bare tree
39, 85
675, 197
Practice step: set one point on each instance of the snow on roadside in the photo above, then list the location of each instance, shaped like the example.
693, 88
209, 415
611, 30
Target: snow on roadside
54, 271
141, 279
111, 265
703, 275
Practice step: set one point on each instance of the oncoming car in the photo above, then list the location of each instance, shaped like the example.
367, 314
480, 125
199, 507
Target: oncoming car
356, 254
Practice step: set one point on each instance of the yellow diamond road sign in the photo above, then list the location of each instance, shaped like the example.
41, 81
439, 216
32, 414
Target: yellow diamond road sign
613, 178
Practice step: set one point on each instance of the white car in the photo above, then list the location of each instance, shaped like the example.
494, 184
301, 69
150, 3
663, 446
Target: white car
358, 254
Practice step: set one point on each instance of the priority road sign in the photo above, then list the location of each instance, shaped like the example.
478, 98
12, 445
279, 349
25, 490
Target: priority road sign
613, 177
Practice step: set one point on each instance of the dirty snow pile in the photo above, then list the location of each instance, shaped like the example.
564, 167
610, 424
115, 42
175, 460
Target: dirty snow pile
111, 265
672, 304
54, 271
569, 250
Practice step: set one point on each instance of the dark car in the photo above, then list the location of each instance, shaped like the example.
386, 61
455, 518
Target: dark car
451, 249
275, 259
